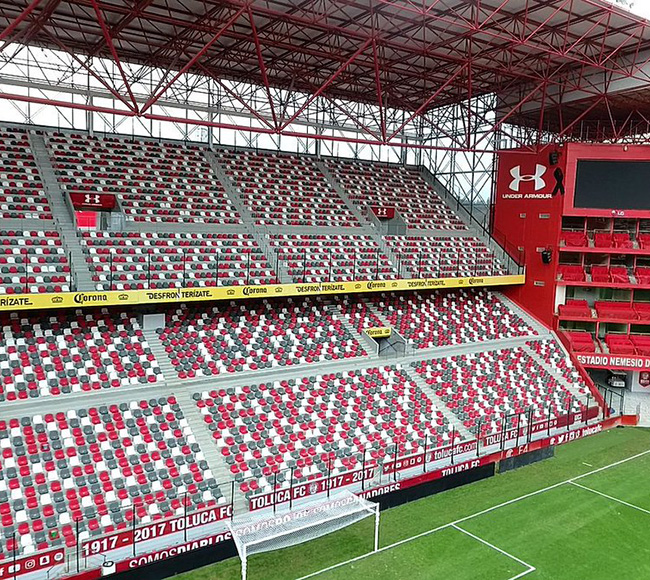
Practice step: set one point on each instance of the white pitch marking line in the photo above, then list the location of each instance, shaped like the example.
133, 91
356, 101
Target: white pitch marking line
636, 507
466, 518
518, 560
587, 464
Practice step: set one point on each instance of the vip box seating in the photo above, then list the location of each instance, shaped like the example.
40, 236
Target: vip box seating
101, 467
285, 190
319, 424
483, 388
78, 351
321, 258
242, 336
155, 182
33, 261
581, 341
21, 190
450, 317
445, 257
380, 185
130, 260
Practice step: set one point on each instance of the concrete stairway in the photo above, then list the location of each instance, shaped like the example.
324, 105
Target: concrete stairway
440, 405
170, 375
62, 215
229, 186
210, 451
527, 318
556, 375
336, 186
362, 338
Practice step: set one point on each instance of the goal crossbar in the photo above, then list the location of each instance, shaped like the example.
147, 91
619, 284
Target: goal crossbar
254, 534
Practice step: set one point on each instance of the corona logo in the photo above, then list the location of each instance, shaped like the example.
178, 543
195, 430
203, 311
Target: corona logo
537, 177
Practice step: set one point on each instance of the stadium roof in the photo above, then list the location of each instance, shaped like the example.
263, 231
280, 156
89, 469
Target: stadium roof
552, 63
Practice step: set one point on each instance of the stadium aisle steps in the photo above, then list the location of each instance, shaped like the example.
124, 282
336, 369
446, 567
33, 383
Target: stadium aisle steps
527, 318
210, 450
336, 185
170, 376
61, 213
231, 190
440, 404
368, 343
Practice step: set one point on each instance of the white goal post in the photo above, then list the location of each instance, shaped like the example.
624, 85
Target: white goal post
254, 533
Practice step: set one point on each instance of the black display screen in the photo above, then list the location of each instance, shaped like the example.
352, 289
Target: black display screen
612, 185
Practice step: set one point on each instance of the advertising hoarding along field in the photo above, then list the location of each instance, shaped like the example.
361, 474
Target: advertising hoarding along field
136, 297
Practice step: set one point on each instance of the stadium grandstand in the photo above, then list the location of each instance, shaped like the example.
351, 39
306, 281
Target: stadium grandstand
271, 271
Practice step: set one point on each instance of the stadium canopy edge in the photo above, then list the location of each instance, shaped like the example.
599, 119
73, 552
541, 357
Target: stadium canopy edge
166, 295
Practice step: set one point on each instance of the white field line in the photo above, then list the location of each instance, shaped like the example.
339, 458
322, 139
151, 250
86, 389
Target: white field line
475, 515
519, 561
631, 505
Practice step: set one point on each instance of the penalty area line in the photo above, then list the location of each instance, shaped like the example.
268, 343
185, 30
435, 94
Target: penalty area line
475, 515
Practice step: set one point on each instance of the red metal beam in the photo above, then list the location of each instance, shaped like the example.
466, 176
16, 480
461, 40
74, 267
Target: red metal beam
156, 96
24, 14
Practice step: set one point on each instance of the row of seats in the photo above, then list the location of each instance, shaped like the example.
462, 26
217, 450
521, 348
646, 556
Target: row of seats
443, 257
606, 309
336, 258
288, 190
21, 189
482, 389
248, 336
310, 427
628, 344
394, 186
155, 182
33, 261
446, 318
600, 274
581, 341
132, 260
75, 351
97, 470
621, 240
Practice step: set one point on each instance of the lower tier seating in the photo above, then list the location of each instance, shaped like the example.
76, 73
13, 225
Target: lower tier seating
483, 388
132, 260
97, 469
321, 424
242, 336
443, 257
78, 351
33, 261
336, 258
443, 318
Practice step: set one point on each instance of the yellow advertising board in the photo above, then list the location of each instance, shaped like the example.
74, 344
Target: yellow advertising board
378, 332
144, 297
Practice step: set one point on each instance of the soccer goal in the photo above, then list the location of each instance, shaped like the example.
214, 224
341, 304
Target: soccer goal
254, 534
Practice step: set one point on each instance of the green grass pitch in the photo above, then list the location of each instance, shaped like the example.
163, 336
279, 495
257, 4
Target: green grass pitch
595, 527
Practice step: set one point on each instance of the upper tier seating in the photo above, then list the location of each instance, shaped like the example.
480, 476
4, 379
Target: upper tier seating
357, 312
308, 258
72, 352
33, 261
575, 308
381, 185
21, 189
155, 182
448, 257
102, 467
285, 190
242, 336
483, 388
162, 260
581, 341
320, 424
450, 317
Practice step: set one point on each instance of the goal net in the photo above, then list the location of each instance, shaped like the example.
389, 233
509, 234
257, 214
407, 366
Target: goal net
254, 533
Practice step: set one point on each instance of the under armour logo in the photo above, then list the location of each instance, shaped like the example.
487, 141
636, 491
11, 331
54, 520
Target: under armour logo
91, 199
540, 170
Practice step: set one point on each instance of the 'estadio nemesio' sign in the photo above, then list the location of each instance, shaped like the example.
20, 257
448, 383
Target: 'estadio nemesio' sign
608, 361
